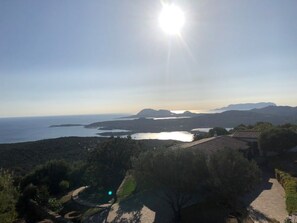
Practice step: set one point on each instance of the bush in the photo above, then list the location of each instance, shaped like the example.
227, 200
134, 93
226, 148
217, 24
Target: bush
54, 204
289, 183
231, 175
49, 174
278, 140
8, 198
64, 185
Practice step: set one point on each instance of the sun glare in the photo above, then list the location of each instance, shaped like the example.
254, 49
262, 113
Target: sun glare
171, 19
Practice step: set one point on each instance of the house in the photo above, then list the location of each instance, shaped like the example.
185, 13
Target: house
250, 137
210, 145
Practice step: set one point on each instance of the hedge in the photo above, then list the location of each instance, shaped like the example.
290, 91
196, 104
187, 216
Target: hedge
289, 183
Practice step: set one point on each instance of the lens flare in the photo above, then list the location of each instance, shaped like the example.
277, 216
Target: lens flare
171, 19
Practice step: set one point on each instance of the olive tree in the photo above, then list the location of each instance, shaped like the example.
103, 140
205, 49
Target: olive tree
176, 174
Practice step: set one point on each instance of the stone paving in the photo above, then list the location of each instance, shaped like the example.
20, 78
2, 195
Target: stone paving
145, 207
270, 202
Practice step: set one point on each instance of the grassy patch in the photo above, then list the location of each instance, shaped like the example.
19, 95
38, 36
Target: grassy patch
290, 185
127, 188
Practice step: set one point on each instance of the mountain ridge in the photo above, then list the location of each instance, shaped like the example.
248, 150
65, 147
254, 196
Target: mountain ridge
245, 106
161, 113
276, 115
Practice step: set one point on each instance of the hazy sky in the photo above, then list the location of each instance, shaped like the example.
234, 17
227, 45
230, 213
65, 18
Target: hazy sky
87, 57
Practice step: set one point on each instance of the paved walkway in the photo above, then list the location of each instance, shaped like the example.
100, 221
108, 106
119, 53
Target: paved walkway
145, 207
268, 200
75, 198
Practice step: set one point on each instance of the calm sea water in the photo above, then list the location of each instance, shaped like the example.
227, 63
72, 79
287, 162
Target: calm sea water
14, 130
36, 128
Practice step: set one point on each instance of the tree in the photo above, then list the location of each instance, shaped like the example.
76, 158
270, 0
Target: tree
262, 126
217, 131
278, 140
49, 175
176, 174
8, 198
108, 163
231, 175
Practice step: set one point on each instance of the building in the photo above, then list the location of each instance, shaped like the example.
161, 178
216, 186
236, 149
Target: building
213, 144
251, 138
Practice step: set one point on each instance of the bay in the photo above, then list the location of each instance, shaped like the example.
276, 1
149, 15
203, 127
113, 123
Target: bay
25, 129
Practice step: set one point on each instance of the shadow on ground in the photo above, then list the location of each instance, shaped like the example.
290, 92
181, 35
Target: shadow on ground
263, 185
147, 206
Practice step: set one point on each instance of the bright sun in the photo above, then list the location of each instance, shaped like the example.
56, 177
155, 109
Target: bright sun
171, 19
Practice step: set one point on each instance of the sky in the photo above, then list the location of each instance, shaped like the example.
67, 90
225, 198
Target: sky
94, 57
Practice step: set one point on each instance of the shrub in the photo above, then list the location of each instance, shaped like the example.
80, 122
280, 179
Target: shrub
289, 183
278, 140
64, 185
54, 204
8, 198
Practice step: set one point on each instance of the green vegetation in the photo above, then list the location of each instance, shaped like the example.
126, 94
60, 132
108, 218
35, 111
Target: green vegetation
55, 175
216, 131
177, 174
290, 185
8, 198
54, 204
181, 175
108, 163
22, 158
231, 175
278, 139
259, 126
52, 168
127, 188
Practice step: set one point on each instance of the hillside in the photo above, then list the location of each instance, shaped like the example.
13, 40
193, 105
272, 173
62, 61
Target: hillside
23, 157
162, 113
245, 106
273, 114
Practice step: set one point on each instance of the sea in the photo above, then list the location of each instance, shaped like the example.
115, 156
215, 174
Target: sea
13, 130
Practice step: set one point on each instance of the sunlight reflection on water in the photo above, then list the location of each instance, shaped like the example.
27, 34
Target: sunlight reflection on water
178, 135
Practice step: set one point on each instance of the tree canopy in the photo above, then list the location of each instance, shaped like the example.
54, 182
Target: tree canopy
8, 198
108, 163
231, 175
176, 174
182, 174
278, 139
51, 174
217, 131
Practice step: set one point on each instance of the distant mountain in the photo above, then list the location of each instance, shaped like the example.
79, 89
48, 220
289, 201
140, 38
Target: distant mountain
274, 114
246, 106
148, 112
284, 111
162, 113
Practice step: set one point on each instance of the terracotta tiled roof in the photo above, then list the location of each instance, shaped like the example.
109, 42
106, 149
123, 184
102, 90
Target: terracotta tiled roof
247, 134
215, 143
